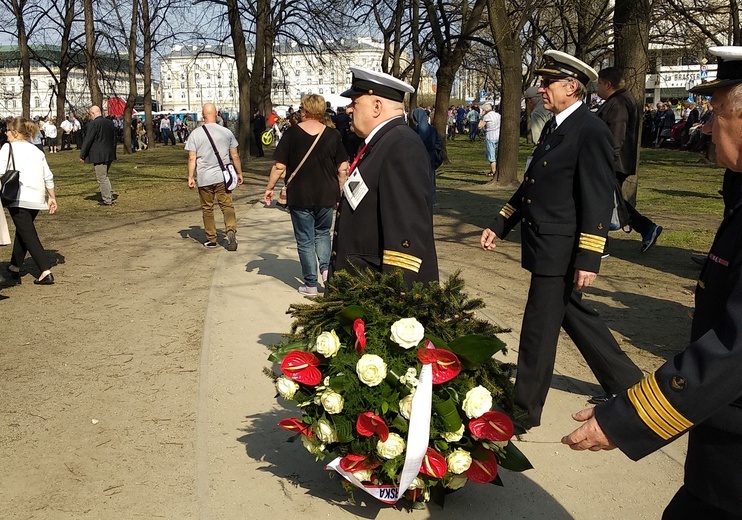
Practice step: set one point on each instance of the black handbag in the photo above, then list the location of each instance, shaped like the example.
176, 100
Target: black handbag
10, 184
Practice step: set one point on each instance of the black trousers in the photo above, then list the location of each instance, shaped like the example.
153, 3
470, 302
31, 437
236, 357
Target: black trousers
553, 304
686, 506
639, 222
27, 240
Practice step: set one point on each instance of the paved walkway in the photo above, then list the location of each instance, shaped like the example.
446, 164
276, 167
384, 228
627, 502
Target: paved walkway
246, 469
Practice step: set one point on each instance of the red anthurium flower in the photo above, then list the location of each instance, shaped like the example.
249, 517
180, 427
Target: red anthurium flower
493, 426
483, 468
295, 425
369, 423
434, 464
353, 463
301, 367
359, 327
445, 364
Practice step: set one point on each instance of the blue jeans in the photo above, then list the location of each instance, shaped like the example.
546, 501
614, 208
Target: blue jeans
312, 232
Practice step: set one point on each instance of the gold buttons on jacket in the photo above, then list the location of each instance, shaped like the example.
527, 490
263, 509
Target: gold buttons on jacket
544, 163
533, 181
528, 201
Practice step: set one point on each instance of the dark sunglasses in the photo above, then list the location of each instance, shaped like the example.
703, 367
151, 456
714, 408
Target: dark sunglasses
545, 82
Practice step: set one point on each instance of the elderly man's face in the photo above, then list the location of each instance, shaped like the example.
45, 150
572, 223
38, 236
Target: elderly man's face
364, 111
727, 133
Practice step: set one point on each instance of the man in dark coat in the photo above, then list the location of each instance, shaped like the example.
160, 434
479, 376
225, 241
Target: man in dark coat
564, 206
99, 148
622, 117
258, 127
385, 217
699, 389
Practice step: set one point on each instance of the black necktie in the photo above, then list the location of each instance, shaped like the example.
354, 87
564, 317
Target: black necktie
548, 128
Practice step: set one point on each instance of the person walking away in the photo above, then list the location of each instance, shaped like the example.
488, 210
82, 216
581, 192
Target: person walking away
258, 127
36, 194
385, 217
564, 206
432, 141
312, 157
76, 133
99, 149
491, 129
66, 127
620, 113
204, 166
472, 118
50, 131
698, 390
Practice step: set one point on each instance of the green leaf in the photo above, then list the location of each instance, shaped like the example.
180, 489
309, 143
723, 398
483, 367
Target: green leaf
400, 423
447, 411
384, 407
497, 481
343, 428
513, 459
350, 314
279, 353
438, 342
476, 348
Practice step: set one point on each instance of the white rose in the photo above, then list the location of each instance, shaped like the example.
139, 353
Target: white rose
325, 432
393, 447
405, 406
454, 481
407, 332
312, 446
417, 483
478, 400
332, 402
371, 369
327, 344
364, 475
458, 461
286, 387
453, 436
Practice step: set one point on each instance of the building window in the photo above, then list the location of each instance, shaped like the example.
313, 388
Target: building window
12, 103
182, 84
182, 95
321, 91
37, 101
332, 90
35, 83
198, 95
170, 95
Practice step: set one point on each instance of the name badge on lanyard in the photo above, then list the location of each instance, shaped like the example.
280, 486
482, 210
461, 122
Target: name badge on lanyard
355, 188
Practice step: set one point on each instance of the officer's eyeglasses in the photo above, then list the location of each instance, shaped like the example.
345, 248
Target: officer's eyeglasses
545, 82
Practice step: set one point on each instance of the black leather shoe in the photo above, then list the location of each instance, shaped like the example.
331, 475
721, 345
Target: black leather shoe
47, 280
599, 399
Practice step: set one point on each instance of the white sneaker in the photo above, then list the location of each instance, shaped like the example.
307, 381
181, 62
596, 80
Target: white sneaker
308, 291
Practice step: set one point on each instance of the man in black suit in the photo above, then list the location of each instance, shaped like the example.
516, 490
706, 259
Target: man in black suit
622, 117
698, 390
564, 206
385, 217
99, 148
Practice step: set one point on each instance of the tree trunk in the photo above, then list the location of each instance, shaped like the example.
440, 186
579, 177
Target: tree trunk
147, 45
18, 8
505, 33
417, 55
64, 65
631, 30
243, 79
91, 66
132, 97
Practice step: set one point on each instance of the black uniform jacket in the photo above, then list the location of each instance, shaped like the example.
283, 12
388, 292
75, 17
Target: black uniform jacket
699, 389
99, 145
620, 112
566, 198
392, 227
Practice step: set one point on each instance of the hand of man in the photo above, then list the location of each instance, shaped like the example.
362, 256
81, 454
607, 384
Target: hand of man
583, 279
487, 240
191, 182
82, 160
268, 197
590, 435
240, 180
52, 206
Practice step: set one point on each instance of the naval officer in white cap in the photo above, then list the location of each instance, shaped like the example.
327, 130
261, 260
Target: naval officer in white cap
700, 389
564, 206
385, 218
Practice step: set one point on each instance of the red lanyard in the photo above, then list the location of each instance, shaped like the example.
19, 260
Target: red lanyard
358, 158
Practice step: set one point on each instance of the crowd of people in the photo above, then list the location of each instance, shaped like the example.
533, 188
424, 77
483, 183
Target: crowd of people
380, 189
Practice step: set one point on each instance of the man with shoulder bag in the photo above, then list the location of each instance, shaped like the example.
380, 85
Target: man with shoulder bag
219, 172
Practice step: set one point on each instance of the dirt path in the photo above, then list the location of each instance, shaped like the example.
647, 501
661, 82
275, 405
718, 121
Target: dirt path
99, 373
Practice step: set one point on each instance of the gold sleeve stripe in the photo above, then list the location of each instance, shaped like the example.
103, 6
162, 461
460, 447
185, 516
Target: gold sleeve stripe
678, 419
655, 410
591, 243
403, 260
507, 211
